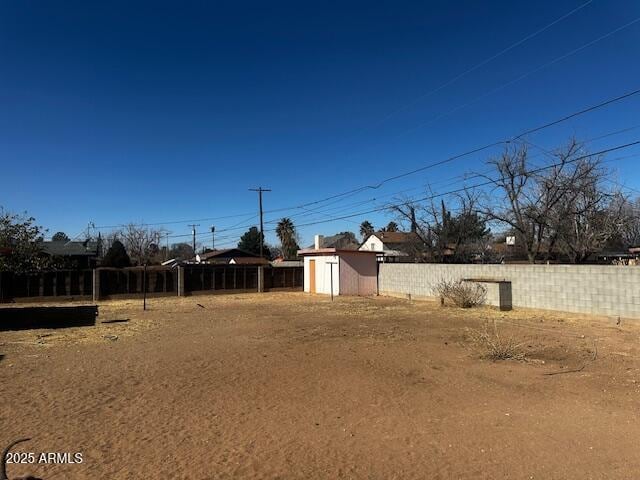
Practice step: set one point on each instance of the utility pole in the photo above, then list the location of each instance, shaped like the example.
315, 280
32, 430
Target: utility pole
213, 237
90, 225
260, 190
193, 231
166, 251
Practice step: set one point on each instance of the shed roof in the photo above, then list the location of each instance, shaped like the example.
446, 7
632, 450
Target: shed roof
334, 251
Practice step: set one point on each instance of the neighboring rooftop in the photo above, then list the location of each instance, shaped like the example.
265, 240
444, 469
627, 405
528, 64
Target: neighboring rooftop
63, 248
342, 241
231, 256
227, 253
287, 263
391, 238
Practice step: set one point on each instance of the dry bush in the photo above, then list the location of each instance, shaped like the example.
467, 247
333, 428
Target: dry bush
462, 294
494, 346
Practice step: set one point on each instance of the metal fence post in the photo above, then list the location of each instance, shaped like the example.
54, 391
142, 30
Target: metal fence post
181, 289
144, 287
260, 279
96, 284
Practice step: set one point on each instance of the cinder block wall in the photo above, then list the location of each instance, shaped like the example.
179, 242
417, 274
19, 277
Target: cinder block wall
594, 289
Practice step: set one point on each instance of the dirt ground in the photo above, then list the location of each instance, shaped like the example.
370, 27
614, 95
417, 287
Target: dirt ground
292, 386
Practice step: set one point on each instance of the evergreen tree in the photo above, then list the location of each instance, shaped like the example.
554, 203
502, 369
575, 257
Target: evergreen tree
250, 242
60, 237
116, 256
391, 227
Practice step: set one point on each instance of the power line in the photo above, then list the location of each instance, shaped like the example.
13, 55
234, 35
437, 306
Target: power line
482, 63
521, 77
450, 192
457, 178
478, 185
465, 177
420, 169
479, 149
581, 112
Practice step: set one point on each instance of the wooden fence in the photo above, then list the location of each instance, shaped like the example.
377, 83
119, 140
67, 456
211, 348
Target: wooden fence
104, 283
284, 278
61, 283
131, 282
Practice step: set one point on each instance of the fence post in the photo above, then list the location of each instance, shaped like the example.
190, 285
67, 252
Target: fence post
260, 279
181, 281
96, 284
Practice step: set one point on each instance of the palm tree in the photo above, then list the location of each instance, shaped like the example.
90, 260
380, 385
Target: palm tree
286, 232
366, 229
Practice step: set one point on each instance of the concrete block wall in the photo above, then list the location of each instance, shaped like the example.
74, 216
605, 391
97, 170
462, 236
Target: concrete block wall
593, 289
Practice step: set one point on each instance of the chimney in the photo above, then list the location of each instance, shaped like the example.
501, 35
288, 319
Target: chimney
318, 242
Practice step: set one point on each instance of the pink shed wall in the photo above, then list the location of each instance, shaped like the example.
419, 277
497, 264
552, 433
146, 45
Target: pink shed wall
358, 274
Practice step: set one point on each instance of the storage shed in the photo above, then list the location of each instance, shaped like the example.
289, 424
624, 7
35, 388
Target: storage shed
349, 272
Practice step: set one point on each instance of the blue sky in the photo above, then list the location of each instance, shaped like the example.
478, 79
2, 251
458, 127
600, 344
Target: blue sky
119, 112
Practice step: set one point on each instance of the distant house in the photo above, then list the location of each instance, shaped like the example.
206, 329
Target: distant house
342, 241
74, 254
230, 256
393, 246
629, 257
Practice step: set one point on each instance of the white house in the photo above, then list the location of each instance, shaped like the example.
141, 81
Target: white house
391, 246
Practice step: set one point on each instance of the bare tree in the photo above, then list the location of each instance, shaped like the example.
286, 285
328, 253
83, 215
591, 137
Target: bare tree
589, 216
405, 211
630, 222
142, 243
438, 232
537, 204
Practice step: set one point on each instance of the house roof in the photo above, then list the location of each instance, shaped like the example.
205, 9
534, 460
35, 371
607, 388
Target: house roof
396, 237
334, 251
340, 240
63, 248
249, 261
233, 256
227, 253
394, 242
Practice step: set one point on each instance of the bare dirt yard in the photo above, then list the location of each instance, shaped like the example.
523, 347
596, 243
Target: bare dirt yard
291, 386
